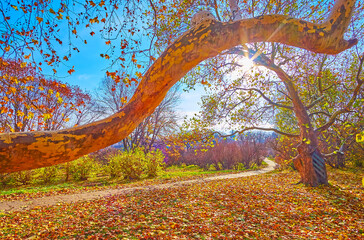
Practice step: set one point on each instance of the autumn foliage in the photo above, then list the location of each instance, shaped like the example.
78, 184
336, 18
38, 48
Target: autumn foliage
29, 101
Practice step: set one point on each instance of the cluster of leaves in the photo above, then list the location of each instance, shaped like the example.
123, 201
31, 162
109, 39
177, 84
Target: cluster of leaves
29, 101
256, 207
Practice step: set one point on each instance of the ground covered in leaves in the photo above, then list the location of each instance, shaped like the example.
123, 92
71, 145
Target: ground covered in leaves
266, 206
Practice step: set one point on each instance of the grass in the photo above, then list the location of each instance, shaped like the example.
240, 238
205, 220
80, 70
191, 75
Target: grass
268, 206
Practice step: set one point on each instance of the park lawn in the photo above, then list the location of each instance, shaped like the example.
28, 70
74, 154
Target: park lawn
268, 206
171, 174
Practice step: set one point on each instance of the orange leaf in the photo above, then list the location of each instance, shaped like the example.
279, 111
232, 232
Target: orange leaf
92, 33
108, 42
39, 19
71, 71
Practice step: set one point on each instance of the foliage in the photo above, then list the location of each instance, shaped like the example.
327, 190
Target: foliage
256, 207
132, 164
23, 177
82, 168
47, 174
29, 101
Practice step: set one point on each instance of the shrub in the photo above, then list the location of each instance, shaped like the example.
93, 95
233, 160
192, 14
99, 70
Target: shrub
113, 169
47, 174
6, 179
81, 168
133, 164
154, 163
23, 177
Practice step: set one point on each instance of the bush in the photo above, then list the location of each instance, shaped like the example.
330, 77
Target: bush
47, 174
23, 177
6, 179
81, 168
131, 165
154, 163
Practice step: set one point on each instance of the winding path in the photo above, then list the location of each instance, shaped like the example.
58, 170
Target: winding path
10, 206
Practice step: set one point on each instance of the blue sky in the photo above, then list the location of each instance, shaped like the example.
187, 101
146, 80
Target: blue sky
90, 69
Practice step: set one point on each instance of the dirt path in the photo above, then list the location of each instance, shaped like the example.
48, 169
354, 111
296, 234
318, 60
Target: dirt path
10, 206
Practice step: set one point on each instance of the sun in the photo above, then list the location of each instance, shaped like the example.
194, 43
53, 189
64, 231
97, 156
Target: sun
246, 63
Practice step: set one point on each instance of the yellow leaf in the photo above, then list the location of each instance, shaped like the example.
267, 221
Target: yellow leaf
19, 113
23, 64
15, 7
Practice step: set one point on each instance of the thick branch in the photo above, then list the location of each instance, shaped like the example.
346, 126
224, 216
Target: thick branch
21, 151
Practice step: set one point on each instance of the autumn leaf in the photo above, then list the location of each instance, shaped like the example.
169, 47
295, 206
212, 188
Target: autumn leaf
92, 33
39, 19
71, 71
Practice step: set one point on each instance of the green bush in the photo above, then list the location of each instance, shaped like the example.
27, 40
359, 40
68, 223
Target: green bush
154, 163
6, 179
131, 165
47, 174
82, 168
239, 166
23, 177
113, 168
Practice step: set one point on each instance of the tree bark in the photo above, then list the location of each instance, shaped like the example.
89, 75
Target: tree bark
309, 161
22, 151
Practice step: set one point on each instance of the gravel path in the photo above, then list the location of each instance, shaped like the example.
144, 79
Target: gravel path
10, 206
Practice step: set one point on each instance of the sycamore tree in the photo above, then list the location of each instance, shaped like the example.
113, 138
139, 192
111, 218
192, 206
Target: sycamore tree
206, 37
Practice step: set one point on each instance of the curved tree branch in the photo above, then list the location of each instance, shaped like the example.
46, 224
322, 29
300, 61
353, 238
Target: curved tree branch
21, 151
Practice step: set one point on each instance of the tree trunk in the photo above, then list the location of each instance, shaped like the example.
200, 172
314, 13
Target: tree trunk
309, 161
